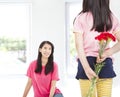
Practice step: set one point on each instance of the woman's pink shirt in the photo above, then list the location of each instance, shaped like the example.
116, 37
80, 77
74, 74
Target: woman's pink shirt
41, 82
83, 24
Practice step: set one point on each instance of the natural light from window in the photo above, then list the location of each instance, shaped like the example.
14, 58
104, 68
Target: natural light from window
14, 29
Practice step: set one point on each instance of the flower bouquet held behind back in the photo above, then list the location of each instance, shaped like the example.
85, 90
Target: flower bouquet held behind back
104, 39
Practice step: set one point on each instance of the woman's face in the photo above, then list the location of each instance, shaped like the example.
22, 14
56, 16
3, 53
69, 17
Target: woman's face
46, 50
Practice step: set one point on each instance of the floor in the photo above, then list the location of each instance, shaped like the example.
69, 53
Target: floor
13, 86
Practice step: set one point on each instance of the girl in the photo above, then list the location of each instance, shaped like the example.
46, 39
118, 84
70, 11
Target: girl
95, 17
43, 73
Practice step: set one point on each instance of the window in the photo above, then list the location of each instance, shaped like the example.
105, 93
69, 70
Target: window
72, 9
14, 32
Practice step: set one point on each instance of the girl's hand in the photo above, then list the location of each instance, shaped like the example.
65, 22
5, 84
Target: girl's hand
99, 60
103, 57
90, 73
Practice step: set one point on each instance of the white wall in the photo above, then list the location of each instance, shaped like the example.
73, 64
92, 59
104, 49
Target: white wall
14, 1
72, 0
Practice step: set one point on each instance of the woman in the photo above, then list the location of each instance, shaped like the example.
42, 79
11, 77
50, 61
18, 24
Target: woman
95, 18
43, 73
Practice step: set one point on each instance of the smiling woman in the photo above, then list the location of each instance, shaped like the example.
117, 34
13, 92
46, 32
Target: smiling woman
43, 73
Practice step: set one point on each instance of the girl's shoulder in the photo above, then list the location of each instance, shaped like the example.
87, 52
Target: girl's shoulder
55, 64
33, 63
32, 66
114, 17
115, 20
83, 16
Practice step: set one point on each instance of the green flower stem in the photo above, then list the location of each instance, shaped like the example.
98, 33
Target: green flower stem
98, 68
92, 87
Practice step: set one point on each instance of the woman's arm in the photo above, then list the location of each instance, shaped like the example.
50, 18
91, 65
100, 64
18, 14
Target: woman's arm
27, 88
81, 55
52, 89
113, 49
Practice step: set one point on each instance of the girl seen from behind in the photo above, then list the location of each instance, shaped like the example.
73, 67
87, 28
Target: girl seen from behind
95, 18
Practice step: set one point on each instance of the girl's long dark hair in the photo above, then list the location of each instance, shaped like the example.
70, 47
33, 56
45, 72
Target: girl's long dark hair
102, 19
49, 66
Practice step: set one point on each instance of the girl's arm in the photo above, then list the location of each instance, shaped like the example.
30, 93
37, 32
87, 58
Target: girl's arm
27, 88
52, 89
81, 55
112, 50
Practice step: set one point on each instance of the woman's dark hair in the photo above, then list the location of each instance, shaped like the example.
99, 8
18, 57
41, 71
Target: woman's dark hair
102, 19
49, 66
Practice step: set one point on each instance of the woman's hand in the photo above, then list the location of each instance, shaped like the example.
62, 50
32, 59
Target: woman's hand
99, 60
105, 55
90, 73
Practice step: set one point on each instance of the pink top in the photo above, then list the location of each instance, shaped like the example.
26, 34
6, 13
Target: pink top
41, 82
83, 24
